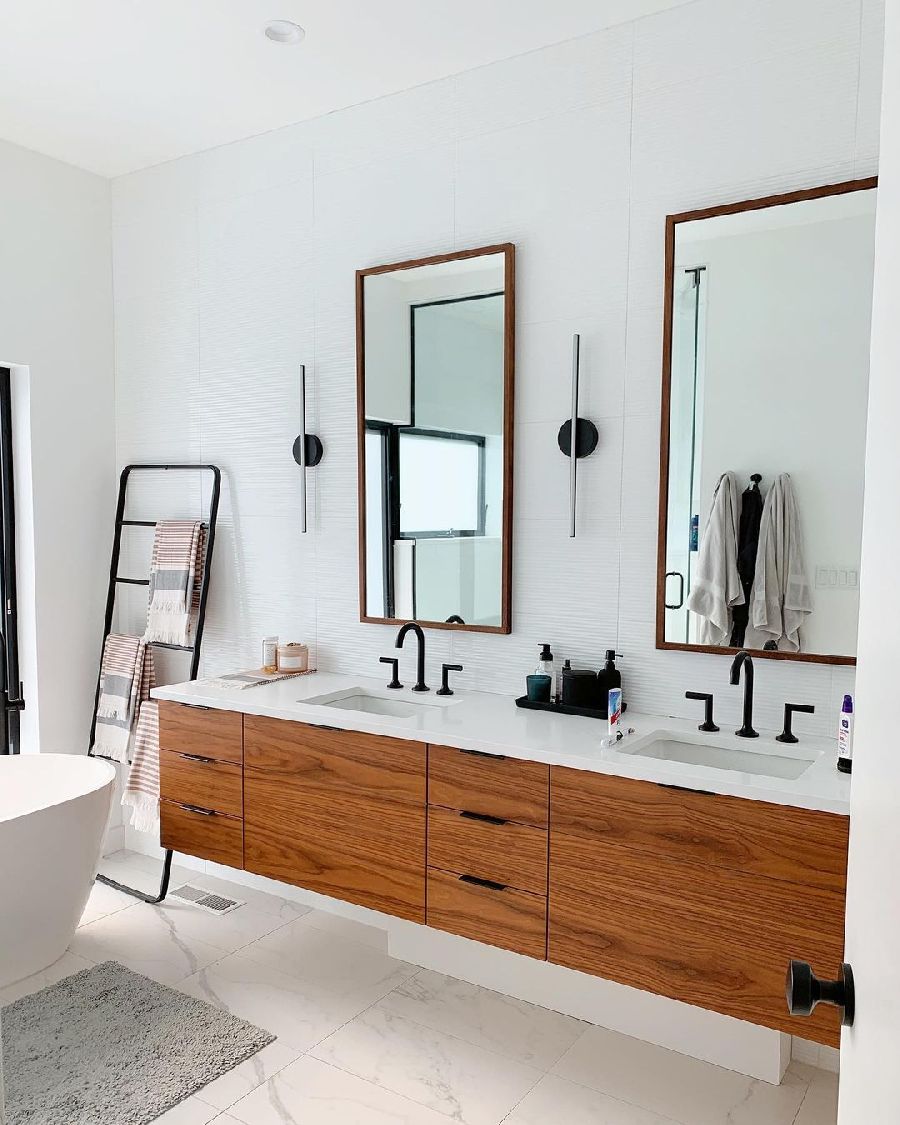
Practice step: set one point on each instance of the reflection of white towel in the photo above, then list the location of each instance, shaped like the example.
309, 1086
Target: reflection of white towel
715, 583
781, 599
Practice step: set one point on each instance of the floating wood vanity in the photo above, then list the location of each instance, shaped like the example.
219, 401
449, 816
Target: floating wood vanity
699, 897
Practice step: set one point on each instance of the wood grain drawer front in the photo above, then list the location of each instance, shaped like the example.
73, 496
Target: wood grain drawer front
191, 781
778, 841
203, 834
501, 851
357, 765
505, 917
201, 730
494, 785
337, 812
710, 936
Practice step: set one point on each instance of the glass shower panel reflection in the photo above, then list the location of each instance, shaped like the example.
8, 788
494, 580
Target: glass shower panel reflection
685, 422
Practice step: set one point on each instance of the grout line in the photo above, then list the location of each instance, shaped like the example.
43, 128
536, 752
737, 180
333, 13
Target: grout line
620, 538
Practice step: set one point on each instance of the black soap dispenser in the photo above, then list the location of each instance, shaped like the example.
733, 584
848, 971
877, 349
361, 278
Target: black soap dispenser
608, 677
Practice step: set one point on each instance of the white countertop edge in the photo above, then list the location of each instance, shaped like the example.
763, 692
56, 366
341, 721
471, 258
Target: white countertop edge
493, 724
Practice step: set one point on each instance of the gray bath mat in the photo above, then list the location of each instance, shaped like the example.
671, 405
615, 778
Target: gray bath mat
109, 1047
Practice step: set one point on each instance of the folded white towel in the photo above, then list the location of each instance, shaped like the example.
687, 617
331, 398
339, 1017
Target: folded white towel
715, 582
781, 599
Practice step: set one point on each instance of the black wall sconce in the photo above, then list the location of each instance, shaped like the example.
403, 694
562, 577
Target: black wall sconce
307, 449
578, 437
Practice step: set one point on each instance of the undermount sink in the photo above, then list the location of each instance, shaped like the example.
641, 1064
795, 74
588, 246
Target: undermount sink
376, 703
762, 762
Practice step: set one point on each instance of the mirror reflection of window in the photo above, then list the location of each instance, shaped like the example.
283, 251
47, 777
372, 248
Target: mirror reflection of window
435, 386
770, 321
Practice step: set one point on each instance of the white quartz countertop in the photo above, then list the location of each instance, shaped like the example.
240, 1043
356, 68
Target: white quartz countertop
493, 724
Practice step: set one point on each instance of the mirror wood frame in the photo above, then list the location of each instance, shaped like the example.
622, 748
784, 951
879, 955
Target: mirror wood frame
672, 222
508, 250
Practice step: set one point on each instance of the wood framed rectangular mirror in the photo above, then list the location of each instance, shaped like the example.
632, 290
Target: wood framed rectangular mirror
764, 395
435, 345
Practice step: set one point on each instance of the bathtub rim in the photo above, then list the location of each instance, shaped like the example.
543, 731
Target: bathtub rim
105, 776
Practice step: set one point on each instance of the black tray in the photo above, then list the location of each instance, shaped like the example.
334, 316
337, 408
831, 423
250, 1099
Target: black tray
561, 708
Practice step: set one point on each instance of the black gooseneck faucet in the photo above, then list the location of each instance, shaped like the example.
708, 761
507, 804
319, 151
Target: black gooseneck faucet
415, 627
743, 660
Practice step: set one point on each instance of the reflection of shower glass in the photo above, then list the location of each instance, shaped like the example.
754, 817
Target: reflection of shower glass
685, 422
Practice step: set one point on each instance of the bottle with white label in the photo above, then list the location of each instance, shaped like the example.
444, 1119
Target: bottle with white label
845, 736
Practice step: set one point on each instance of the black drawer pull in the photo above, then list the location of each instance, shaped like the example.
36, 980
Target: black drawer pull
490, 884
198, 758
197, 809
687, 789
483, 754
197, 706
484, 817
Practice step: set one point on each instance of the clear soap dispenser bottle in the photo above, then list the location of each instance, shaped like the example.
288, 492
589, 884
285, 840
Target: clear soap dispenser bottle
545, 667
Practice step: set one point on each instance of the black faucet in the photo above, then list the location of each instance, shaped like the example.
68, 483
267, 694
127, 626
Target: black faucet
413, 626
743, 660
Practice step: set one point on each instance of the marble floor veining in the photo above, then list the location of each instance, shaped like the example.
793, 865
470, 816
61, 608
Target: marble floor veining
365, 1039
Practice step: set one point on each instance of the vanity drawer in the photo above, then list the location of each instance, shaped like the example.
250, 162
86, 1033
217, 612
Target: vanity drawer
777, 841
496, 915
711, 936
501, 851
202, 833
189, 780
201, 730
492, 784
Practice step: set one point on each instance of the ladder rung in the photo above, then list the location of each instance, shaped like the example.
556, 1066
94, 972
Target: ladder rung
134, 581
177, 648
151, 523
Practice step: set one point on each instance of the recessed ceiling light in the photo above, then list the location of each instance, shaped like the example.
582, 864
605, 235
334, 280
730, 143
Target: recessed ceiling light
283, 31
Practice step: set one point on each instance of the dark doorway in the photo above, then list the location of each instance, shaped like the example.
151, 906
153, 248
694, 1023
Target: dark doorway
11, 701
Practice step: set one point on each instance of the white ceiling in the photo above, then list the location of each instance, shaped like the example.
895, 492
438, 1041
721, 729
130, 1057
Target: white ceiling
116, 85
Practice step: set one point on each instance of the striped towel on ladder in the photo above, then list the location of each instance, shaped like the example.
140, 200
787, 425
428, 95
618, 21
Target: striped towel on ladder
176, 566
126, 677
142, 788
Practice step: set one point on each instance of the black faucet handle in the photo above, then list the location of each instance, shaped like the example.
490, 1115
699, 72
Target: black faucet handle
445, 688
707, 724
394, 661
787, 735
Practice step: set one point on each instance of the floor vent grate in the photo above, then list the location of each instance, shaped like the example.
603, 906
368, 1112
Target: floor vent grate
206, 900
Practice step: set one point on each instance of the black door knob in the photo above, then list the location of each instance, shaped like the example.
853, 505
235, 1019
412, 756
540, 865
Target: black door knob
804, 991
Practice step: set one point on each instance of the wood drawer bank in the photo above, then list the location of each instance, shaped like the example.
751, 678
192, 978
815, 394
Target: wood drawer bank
201, 782
696, 897
337, 812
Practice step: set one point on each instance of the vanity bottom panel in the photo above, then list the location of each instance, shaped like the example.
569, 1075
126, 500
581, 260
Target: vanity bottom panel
202, 833
495, 915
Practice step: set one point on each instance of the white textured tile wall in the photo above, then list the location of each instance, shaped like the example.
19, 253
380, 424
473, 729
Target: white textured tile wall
234, 266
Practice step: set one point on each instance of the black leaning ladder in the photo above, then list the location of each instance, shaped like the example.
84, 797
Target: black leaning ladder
115, 580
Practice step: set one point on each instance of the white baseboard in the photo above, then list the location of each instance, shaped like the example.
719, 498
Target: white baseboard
115, 839
815, 1054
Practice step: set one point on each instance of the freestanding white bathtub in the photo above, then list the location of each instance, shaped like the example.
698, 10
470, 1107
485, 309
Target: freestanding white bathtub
53, 814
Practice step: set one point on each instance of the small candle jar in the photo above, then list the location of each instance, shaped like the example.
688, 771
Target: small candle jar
293, 657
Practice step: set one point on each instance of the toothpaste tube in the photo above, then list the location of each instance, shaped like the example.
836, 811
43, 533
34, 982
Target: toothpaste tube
614, 711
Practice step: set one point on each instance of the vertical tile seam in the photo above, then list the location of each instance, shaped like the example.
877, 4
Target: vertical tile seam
859, 53
619, 536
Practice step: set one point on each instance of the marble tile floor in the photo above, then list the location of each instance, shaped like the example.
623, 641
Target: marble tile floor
364, 1039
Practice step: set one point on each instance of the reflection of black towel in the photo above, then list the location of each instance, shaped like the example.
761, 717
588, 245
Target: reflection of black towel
748, 541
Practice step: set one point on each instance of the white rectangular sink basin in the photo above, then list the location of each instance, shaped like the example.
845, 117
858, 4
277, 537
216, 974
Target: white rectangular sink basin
762, 762
387, 704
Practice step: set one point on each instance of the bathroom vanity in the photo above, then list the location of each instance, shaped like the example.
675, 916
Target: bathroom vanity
515, 829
